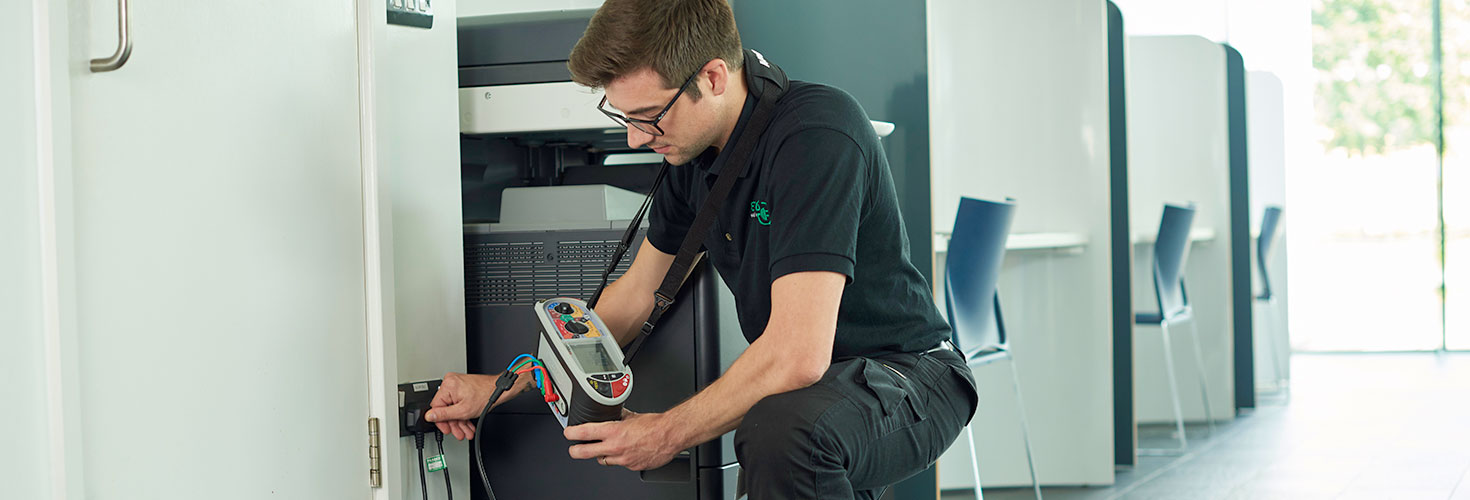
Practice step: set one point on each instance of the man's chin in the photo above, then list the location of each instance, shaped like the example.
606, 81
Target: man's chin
675, 158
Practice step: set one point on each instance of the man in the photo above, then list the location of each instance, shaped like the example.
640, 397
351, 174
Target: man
849, 384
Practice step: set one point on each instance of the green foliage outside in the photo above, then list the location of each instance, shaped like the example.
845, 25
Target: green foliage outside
1455, 31
1375, 85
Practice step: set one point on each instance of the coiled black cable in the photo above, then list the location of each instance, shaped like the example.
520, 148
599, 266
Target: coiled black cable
502, 383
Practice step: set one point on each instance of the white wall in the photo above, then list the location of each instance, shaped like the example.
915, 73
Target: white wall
24, 453
417, 115
1019, 108
1265, 113
1178, 148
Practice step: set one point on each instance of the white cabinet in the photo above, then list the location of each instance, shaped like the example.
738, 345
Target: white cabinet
220, 247
211, 288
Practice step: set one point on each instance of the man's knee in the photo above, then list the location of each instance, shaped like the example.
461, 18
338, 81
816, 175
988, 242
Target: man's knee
769, 425
780, 428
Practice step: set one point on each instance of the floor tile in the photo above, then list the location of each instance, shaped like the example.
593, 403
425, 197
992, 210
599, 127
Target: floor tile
1394, 494
1367, 426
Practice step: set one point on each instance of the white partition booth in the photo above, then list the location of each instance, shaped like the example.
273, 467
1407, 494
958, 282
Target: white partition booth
1179, 151
1266, 107
1019, 108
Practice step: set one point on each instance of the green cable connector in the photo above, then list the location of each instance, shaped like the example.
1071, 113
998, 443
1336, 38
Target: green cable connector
436, 463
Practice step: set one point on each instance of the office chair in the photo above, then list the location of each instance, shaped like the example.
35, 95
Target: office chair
1269, 223
971, 272
1171, 249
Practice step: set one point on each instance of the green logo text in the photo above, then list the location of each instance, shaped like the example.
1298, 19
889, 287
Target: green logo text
760, 212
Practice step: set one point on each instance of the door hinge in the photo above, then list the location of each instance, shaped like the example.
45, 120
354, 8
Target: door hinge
375, 457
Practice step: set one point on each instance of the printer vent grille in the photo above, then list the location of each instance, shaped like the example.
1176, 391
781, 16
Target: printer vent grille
506, 274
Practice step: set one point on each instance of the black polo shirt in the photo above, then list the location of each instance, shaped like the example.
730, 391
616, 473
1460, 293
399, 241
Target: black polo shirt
817, 195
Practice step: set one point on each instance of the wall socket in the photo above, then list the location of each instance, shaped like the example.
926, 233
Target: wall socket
413, 403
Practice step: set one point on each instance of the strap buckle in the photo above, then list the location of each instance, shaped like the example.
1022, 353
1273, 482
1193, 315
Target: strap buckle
661, 301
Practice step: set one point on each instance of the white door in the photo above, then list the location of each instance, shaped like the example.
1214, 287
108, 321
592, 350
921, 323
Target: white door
218, 254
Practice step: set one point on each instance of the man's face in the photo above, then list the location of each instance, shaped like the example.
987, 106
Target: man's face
689, 126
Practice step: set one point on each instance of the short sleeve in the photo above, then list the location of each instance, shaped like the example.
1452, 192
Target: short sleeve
670, 216
816, 203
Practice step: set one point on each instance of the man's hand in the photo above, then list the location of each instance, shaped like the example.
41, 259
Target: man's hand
460, 399
639, 441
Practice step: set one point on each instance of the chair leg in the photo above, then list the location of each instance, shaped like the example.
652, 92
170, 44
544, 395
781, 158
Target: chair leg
974, 459
1281, 343
1174, 392
1025, 428
1269, 320
1204, 389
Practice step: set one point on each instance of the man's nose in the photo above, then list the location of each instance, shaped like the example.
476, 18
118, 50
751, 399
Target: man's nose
638, 138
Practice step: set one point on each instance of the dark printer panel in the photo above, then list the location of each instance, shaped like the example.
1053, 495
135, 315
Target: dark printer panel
533, 50
505, 273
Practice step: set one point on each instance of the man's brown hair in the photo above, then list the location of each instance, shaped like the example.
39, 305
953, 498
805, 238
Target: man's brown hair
673, 37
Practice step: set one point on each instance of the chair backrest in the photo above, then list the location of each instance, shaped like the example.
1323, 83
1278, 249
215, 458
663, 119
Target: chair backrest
972, 269
1171, 249
1269, 223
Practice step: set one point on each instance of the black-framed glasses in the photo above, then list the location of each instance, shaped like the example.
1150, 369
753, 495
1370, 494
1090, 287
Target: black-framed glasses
649, 127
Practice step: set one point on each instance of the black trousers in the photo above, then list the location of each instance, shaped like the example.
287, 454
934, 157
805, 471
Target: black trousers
869, 423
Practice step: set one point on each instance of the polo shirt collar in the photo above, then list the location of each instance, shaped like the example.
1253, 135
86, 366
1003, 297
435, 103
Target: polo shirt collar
759, 74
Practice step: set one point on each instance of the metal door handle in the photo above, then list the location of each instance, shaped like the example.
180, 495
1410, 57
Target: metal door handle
124, 43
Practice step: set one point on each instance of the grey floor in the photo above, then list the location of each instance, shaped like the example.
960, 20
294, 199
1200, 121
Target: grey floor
1356, 426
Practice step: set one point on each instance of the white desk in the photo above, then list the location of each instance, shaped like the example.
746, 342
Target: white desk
1196, 235
1025, 241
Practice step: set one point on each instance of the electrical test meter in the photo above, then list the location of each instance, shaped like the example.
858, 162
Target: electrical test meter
583, 361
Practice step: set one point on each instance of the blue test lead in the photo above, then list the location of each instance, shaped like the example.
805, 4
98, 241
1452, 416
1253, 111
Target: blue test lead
513, 362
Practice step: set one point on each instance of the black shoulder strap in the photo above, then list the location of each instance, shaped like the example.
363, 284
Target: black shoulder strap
770, 82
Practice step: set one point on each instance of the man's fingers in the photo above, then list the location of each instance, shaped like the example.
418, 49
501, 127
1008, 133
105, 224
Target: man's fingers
596, 431
444, 397
590, 450
467, 429
444, 428
457, 411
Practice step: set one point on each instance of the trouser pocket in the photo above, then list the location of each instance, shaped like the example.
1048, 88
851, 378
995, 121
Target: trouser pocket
895, 393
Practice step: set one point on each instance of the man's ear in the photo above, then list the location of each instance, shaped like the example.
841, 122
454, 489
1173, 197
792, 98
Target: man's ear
717, 73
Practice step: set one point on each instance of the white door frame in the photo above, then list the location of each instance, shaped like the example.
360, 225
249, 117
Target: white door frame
377, 213
52, 66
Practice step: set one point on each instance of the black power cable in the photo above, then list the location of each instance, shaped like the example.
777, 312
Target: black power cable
448, 488
418, 442
502, 383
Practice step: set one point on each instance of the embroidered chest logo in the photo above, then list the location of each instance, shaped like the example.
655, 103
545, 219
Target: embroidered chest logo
760, 212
